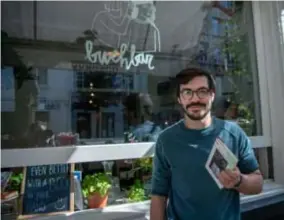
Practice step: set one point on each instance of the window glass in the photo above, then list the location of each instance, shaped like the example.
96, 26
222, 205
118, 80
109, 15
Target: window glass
280, 7
104, 69
42, 76
215, 27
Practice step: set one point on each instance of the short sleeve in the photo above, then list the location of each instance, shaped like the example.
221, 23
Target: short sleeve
247, 160
161, 171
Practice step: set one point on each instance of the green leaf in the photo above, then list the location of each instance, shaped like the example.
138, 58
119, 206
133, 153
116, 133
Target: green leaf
98, 182
136, 192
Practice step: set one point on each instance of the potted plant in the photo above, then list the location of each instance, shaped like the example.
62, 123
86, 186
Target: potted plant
15, 182
246, 120
95, 189
145, 165
136, 192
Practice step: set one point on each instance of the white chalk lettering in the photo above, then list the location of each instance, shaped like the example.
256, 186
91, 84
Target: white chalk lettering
41, 195
58, 169
105, 57
38, 170
60, 204
34, 183
57, 183
38, 208
44, 183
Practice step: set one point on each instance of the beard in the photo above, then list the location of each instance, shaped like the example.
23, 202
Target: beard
200, 114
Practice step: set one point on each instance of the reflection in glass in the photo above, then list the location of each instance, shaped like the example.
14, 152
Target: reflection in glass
48, 78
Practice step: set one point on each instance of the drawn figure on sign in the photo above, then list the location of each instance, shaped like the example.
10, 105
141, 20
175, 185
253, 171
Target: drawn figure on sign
129, 23
60, 204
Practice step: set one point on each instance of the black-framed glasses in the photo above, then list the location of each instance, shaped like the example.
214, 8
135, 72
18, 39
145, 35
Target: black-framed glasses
201, 93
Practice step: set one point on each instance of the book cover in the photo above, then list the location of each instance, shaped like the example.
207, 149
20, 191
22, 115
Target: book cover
220, 158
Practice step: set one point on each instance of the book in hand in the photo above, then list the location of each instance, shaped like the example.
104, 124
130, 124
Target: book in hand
220, 158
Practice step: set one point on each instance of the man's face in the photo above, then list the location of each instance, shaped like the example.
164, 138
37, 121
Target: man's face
196, 98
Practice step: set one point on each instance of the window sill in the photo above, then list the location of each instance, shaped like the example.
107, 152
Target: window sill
272, 194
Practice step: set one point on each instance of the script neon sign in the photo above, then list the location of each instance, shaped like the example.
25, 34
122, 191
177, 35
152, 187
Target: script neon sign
118, 57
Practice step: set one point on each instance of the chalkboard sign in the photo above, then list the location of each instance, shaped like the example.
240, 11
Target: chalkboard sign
48, 189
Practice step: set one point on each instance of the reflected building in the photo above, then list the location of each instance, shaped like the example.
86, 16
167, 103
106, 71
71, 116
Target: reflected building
84, 97
84, 89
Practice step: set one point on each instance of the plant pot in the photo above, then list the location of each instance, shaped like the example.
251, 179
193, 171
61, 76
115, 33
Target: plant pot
97, 201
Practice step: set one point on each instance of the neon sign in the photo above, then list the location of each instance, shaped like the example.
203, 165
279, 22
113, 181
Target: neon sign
105, 57
125, 25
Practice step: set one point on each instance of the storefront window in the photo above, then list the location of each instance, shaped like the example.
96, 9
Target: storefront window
281, 27
98, 76
103, 70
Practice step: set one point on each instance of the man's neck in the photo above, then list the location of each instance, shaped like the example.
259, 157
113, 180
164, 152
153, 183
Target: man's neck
204, 123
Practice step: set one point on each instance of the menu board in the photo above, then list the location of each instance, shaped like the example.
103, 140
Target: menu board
48, 189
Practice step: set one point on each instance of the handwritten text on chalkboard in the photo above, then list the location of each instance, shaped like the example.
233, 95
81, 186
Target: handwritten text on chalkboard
47, 189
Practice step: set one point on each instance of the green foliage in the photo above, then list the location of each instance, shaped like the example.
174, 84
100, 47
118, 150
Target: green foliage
98, 182
145, 164
15, 182
236, 44
245, 112
136, 192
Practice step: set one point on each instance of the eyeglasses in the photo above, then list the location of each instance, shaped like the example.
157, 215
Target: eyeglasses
201, 93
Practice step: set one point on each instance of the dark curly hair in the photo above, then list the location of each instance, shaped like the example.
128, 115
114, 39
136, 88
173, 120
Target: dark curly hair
186, 75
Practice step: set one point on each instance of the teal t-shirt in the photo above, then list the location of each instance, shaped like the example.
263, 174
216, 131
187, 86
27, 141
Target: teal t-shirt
180, 174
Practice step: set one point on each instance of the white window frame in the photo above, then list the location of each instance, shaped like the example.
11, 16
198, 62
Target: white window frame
265, 139
39, 75
267, 14
87, 153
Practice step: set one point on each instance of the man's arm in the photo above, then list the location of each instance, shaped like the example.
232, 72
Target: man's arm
251, 180
160, 183
246, 177
158, 207
251, 183
248, 184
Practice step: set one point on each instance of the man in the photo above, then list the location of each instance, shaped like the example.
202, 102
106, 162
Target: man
182, 187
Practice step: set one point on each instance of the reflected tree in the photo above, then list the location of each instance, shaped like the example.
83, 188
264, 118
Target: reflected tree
236, 50
26, 88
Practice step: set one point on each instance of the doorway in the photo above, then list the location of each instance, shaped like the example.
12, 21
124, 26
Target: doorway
83, 125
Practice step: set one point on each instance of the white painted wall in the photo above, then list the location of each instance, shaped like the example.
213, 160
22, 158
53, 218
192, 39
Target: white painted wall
59, 89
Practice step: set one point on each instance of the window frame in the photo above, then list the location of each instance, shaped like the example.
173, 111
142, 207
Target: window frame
91, 153
42, 76
268, 23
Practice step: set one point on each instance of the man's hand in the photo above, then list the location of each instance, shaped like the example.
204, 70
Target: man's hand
229, 178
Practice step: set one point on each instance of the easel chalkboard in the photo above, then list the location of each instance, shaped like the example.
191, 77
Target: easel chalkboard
47, 190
